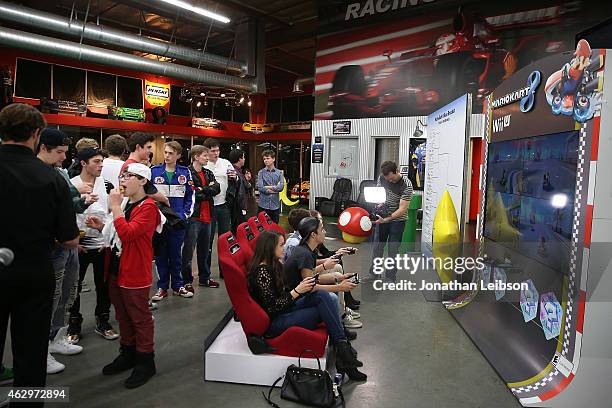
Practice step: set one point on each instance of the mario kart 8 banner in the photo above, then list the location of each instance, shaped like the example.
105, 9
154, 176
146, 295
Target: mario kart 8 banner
389, 58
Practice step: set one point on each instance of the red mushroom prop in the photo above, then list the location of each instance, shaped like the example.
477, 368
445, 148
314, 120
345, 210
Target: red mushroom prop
355, 224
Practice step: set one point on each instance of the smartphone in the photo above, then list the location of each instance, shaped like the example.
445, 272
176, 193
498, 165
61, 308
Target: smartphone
316, 277
355, 278
351, 251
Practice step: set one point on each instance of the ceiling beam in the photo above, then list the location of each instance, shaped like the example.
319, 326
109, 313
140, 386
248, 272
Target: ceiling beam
256, 12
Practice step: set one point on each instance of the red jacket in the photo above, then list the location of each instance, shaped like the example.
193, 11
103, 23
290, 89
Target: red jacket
136, 237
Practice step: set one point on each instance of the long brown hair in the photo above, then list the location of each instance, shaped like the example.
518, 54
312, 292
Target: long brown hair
265, 249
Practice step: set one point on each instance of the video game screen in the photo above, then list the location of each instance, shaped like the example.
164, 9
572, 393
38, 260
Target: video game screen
530, 196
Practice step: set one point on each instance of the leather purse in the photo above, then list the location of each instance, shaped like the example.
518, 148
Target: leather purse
307, 386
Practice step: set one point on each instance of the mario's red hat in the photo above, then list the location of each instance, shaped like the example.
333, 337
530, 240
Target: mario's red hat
583, 49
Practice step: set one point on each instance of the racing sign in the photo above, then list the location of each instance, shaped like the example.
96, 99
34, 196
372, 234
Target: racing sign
157, 94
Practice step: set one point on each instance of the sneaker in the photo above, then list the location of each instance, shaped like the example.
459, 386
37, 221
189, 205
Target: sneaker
352, 313
210, 284
182, 292
104, 329
54, 366
160, 295
73, 334
60, 344
350, 323
189, 288
6, 375
152, 305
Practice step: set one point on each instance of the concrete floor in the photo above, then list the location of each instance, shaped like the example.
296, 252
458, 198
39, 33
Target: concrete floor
414, 352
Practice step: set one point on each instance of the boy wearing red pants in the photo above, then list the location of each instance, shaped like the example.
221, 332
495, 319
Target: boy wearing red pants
130, 237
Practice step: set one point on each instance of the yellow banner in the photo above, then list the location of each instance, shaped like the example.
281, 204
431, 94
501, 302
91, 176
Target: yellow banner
157, 94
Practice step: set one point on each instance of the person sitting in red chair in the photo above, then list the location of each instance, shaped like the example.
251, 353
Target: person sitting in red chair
303, 306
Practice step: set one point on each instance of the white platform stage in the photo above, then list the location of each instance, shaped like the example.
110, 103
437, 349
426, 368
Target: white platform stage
229, 359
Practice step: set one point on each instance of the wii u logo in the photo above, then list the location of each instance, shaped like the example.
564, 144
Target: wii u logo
500, 124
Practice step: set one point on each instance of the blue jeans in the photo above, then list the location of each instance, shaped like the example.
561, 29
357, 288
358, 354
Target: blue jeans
66, 269
307, 312
391, 233
168, 261
198, 233
221, 223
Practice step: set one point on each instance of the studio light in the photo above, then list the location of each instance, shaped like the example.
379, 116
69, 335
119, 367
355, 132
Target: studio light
375, 195
559, 200
198, 10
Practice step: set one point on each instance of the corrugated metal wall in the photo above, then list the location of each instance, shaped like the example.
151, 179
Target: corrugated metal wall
366, 131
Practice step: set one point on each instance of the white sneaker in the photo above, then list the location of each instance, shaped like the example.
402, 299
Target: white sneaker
350, 323
54, 366
354, 314
182, 292
60, 344
161, 294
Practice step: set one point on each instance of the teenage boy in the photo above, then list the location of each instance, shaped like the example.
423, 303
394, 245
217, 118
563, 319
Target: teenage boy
224, 174
129, 237
270, 182
173, 181
91, 248
140, 145
37, 211
52, 151
205, 188
115, 146
238, 202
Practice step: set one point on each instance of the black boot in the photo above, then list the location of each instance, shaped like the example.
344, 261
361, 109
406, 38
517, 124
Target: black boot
124, 361
145, 369
350, 302
345, 358
349, 296
352, 349
354, 374
350, 335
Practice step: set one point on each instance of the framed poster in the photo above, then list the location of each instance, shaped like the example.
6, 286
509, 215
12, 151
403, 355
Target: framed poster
342, 157
342, 127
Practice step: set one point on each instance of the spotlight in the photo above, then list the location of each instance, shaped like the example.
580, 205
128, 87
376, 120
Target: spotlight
205, 102
199, 104
241, 99
202, 94
418, 132
223, 95
226, 103
249, 103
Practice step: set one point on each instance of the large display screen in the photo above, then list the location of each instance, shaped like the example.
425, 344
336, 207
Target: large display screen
531, 186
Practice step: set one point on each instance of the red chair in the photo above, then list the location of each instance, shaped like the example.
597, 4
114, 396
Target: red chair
267, 222
253, 318
256, 225
245, 236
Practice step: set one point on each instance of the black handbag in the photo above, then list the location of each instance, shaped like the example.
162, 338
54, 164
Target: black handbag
307, 386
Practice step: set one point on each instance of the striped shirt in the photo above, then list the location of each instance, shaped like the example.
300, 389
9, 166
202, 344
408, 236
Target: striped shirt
401, 190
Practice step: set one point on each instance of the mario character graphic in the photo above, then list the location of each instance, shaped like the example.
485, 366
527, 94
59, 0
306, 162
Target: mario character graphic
573, 90
416, 171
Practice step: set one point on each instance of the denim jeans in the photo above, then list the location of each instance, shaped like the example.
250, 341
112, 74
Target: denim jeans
66, 268
198, 233
221, 223
95, 257
168, 260
308, 311
391, 233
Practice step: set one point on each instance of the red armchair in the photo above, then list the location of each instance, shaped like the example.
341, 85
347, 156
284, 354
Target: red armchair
253, 318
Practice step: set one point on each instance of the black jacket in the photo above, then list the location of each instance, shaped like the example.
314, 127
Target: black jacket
203, 193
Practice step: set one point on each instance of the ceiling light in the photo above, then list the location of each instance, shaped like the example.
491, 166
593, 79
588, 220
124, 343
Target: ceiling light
199, 104
241, 99
223, 95
198, 10
202, 94
249, 103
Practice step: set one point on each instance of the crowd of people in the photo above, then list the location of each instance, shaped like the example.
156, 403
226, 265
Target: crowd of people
119, 214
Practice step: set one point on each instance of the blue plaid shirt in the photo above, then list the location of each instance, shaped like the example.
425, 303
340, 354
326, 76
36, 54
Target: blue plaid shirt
270, 200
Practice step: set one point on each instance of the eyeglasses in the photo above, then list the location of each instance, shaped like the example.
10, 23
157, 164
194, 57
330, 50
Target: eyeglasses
126, 176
